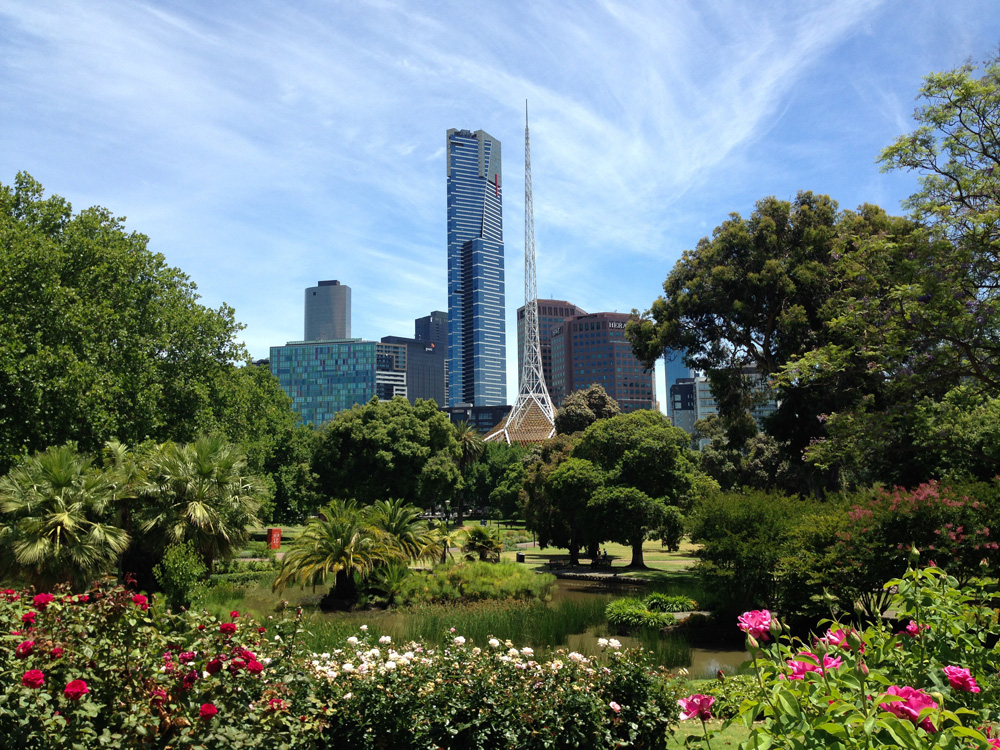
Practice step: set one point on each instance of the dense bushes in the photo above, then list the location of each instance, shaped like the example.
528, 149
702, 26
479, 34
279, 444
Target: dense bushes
652, 612
808, 558
108, 669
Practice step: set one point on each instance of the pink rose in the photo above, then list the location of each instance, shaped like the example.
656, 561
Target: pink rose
756, 623
33, 678
141, 602
76, 689
696, 706
41, 601
913, 629
840, 638
960, 679
276, 704
186, 657
208, 710
913, 702
801, 668
24, 649
614, 707
234, 614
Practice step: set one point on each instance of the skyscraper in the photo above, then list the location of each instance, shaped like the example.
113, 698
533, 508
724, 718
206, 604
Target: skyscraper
477, 357
328, 312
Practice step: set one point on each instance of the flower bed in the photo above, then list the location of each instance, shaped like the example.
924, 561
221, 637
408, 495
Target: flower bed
111, 668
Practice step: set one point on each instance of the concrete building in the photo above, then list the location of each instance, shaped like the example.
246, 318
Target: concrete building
477, 356
327, 312
591, 349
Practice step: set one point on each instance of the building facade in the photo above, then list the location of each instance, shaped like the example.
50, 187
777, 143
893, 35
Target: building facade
327, 312
325, 377
591, 349
433, 330
424, 368
477, 357
551, 314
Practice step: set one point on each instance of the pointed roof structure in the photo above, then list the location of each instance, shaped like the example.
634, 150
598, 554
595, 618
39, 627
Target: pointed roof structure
532, 419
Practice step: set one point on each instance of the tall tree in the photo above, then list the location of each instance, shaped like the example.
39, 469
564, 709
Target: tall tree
388, 449
100, 338
470, 448
582, 408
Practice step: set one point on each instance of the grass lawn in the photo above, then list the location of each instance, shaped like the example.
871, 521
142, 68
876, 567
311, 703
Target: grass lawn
731, 737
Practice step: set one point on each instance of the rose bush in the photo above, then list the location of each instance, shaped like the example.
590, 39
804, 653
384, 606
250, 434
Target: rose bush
108, 669
930, 686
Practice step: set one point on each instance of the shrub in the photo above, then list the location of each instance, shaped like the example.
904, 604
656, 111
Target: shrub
109, 669
651, 612
926, 686
180, 573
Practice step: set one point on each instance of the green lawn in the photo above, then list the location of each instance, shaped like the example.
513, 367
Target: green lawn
731, 737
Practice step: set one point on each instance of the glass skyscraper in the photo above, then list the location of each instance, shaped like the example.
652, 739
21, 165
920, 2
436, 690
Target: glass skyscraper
477, 356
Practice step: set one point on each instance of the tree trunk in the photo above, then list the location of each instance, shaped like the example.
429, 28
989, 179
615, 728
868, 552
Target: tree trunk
343, 595
574, 551
637, 561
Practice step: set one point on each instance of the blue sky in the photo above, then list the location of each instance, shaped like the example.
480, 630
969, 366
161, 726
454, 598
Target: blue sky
263, 146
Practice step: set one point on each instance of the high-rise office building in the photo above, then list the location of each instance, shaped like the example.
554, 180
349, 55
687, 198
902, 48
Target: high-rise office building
328, 312
424, 368
433, 330
477, 357
551, 314
592, 349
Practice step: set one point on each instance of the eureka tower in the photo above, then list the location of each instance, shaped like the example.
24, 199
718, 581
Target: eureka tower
477, 356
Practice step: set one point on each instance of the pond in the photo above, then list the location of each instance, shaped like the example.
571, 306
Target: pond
567, 620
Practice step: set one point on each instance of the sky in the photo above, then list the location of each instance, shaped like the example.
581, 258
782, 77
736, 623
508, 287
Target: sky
264, 146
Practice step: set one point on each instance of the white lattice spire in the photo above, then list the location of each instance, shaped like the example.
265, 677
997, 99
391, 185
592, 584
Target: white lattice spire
532, 418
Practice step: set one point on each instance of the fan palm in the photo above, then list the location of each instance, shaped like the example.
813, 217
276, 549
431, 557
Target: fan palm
479, 541
343, 542
403, 524
56, 518
199, 492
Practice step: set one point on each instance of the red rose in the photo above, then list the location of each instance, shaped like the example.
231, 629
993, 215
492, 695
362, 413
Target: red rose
24, 649
213, 666
33, 678
255, 667
186, 657
81, 598
157, 696
261, 629
189, 679
29, 617
236, 665
76, 690
201, 627
234, 614
42, 600
227, 627
208, 710
10, 595
141, 602
56, 652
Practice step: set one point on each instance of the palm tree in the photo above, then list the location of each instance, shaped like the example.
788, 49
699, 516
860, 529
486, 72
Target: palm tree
471, 445
407, 530
199, 492
56, 518
342, 542
445, 540
479, 541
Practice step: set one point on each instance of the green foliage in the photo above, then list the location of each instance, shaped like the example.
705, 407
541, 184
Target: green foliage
671, 529
475, 581
743, 537
483, 544
652, 612
494, 481
657, 602
389, 449
57, 520
582, 408
179, 573
199, 492
101, 339
837, 691
151, 681
729, 691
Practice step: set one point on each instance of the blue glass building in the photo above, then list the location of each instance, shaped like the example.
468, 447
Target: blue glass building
477, 356
325, 377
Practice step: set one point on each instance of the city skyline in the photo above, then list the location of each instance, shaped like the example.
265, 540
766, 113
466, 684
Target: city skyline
262, 148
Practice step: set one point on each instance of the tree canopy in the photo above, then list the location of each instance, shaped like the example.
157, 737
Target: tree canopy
100, 339
582, 408
389, 449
